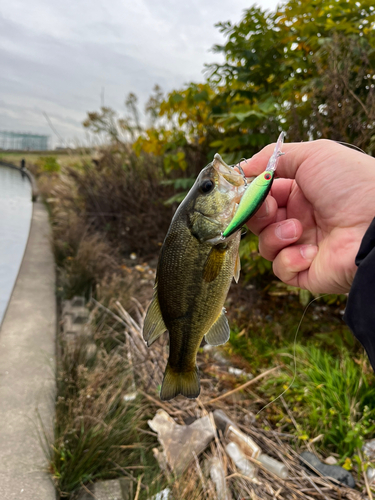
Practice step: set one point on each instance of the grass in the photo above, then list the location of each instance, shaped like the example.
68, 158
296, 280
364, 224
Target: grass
332, 396
98, 434
48, 158
333, 393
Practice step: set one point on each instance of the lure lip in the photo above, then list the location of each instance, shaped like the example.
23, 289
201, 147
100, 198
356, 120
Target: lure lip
273, 161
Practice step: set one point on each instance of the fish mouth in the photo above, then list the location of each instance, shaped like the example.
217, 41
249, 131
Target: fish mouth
229, 173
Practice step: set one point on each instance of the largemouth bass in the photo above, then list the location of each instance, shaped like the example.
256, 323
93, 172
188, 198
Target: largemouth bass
194, 272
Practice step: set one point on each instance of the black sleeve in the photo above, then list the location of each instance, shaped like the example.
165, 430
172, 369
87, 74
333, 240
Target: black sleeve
360, 309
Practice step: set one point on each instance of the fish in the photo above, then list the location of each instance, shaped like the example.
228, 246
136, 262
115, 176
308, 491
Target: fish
256, 192
194, 272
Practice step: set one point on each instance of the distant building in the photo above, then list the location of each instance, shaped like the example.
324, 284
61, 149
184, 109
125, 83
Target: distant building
23, 142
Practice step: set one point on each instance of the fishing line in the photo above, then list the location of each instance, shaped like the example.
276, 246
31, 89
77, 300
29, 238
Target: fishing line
294, 353
238, 165
352, 146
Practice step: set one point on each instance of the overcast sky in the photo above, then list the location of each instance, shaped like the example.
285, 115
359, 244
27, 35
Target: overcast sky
55, 57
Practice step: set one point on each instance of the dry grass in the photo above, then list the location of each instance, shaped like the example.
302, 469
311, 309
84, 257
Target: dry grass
102, 212
101, 436
121, 197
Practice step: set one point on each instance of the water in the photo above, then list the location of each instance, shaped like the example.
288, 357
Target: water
15, 218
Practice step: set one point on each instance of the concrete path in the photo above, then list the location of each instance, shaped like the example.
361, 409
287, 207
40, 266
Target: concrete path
27, 370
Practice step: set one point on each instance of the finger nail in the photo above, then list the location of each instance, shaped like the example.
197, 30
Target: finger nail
263, 211
308, 252
286, 230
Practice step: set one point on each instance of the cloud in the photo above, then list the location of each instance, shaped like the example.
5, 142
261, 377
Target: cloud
57, 56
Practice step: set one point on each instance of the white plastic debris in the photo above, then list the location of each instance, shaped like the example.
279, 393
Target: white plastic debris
131, 396
244, 441
241, 462
370, 473
238, 372
331, 460
181, 442
278, 468
217, 476
233, 433
369, 449
162, 495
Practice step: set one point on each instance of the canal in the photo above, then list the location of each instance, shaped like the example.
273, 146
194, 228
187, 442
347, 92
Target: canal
15, 218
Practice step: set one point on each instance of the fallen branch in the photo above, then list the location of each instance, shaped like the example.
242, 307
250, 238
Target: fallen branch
243, 386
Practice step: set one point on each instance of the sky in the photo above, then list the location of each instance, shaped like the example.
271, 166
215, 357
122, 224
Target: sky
58, 58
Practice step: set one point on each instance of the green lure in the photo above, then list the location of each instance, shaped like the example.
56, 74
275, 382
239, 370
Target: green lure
251, 201
255, 193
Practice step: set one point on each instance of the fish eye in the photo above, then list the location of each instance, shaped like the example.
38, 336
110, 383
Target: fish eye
267, 176
206, 186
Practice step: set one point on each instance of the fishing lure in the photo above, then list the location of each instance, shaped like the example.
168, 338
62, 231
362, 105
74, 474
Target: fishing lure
255, 193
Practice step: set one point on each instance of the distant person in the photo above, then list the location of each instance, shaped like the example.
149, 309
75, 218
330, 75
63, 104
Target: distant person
23, 164
318, 227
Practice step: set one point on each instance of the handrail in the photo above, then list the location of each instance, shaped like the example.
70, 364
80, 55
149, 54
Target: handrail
29, 175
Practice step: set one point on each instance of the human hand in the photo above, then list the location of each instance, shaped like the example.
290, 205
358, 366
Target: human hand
312, 223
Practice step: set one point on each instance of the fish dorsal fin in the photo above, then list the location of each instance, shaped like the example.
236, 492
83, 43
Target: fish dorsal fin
214, 263
154, 325
237, 269
219, 332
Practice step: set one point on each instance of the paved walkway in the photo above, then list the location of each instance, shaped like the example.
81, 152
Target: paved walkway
27, 369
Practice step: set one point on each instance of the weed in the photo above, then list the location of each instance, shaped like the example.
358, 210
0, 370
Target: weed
97, 432
332, 395
48, 164
93, 259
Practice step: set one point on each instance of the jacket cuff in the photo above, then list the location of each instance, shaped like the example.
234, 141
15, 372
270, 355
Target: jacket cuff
360, 310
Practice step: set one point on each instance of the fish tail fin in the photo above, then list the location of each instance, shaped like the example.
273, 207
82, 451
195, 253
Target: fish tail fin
185, 383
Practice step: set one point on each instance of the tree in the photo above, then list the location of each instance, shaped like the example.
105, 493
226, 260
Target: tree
303, 68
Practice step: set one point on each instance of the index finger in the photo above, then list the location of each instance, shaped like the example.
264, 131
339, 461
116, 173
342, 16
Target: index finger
296, 153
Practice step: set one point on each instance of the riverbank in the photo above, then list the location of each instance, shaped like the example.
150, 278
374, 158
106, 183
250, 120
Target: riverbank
27, 370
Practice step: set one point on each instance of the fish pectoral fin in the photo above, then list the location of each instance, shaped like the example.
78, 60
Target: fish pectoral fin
154, 325
237, 269
175, 383
219, 332
214, 263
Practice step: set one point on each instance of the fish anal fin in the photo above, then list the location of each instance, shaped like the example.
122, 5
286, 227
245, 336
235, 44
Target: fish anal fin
237, 269
213, 264
219, 332
154, 325
175, 383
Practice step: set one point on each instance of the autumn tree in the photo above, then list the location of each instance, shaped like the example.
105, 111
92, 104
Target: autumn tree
308, 67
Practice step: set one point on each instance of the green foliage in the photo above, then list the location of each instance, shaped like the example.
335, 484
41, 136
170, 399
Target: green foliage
252, 264
48, 164
184, 183
281, 70
307, 68
331, 395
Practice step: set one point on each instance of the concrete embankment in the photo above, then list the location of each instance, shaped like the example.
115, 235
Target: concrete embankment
27, 370
24, 171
